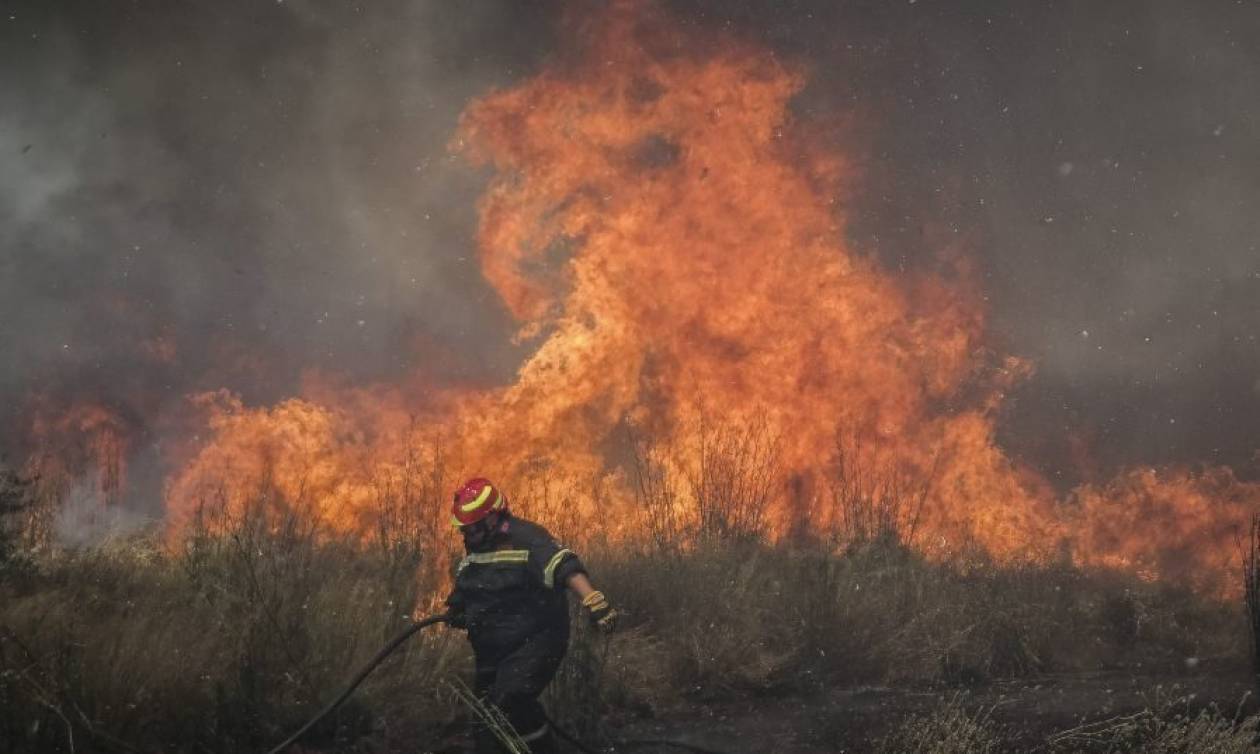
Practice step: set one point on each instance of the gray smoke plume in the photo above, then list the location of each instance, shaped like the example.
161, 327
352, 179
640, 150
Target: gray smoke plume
1101, 159
231, 194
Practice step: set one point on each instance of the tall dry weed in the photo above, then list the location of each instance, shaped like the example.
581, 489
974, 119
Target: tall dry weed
226, 644
949, 729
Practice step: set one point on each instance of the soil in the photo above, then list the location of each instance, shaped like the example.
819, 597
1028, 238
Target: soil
854, 719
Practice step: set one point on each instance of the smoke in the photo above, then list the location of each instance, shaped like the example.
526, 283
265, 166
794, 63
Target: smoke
244, 194
196, 197
1097, 158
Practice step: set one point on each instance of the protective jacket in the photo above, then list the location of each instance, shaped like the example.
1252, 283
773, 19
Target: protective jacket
515, 590
512, 598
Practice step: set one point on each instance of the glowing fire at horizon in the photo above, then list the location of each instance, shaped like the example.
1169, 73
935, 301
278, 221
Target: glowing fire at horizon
675, 245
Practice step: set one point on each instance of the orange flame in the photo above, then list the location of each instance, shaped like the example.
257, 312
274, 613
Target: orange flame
84, 442
708, 266
676, 246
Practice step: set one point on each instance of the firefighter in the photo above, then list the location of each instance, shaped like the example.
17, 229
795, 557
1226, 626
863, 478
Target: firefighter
511, 595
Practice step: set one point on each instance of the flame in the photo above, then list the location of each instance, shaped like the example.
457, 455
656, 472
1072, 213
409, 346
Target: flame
81, 444
708, 267
674, 243
1166, 522
345, 465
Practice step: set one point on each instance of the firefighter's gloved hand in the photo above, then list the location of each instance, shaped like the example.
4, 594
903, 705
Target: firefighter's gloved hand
603, 615
457, 619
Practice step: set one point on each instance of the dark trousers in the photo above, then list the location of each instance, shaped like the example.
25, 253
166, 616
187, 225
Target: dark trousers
512, 680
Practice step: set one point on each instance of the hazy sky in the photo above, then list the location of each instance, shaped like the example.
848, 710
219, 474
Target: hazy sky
196, 195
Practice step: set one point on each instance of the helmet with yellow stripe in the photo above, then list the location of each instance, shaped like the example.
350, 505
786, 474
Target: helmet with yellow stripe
476, 499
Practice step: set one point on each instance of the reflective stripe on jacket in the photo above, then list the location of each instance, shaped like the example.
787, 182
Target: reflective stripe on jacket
515, 590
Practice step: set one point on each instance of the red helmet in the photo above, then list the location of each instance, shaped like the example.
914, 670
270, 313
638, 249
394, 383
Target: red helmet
475, 500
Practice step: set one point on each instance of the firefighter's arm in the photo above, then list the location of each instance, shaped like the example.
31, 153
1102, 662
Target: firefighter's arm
559, 567
601, 613
455, 604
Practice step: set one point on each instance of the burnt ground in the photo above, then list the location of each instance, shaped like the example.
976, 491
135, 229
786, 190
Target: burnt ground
853, 719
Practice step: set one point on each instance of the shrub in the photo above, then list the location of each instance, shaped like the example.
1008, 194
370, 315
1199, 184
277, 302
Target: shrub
949, 729
1166, 728
15, 499
226, 645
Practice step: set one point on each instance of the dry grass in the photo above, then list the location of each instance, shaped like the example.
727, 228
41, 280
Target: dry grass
747, 617
226, 646
230, 643
1251, 591
1166, 727
949, 729
490, 718
232, 639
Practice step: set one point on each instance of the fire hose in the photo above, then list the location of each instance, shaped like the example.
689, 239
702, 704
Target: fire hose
396, 642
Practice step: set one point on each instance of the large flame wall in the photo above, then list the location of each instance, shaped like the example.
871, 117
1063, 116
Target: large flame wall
673, 242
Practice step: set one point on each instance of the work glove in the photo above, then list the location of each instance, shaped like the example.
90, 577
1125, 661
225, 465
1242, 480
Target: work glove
603, 615
455, 617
